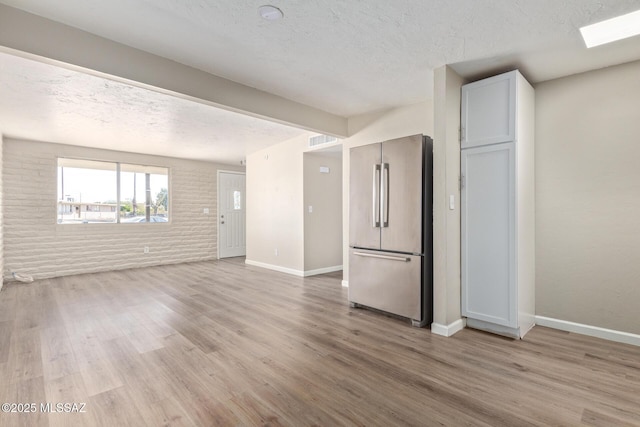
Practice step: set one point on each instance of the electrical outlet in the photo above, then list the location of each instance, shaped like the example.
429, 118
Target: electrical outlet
146, 249
276, 251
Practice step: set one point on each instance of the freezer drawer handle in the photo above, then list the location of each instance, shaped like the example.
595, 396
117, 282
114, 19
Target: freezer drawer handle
389, 257
375, 213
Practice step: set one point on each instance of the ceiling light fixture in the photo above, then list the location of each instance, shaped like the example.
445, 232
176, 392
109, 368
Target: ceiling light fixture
270, 13
611, 30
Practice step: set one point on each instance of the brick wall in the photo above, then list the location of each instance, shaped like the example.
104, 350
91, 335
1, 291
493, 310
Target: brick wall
36, 245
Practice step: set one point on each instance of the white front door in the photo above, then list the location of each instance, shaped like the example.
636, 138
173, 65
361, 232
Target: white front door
231, 214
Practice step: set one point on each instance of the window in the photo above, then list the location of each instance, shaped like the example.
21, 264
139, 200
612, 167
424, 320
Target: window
144, 193
88, 192
237, 201
83, 187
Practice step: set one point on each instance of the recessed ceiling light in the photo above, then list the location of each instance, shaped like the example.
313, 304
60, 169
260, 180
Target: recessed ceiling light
611, 30
270, 13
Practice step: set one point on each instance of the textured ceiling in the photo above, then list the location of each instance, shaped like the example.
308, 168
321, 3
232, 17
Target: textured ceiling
344, 57
48, 103
356, 56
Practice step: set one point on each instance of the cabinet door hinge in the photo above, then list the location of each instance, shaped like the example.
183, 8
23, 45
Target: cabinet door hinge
461, 134
461, 182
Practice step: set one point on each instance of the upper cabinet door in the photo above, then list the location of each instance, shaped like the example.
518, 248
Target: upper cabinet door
488, 111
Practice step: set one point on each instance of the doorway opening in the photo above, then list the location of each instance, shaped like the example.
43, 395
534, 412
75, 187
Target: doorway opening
323, 210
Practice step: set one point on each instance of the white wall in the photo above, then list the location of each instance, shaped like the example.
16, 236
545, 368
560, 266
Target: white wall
274, 206
588, 198
322, 226
36, 245
376, 127
446, 222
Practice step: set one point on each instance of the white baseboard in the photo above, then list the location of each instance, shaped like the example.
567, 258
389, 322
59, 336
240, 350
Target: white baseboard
322, 270
448, 330
298, 273
592, 331
345, 283
292, 271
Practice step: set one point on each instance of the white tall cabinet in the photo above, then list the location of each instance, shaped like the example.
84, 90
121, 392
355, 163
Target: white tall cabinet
498, 204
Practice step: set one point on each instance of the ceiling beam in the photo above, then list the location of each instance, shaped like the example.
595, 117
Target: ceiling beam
34, 37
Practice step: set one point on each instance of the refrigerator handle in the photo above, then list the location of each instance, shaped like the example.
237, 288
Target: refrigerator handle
375, 209
384, 197
389, 257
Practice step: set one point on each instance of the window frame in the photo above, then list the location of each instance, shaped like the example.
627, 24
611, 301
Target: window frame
118, 192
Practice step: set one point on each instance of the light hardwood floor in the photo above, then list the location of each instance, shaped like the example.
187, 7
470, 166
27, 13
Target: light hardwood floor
221, 343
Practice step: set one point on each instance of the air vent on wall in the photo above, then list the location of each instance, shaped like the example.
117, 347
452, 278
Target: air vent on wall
321, 139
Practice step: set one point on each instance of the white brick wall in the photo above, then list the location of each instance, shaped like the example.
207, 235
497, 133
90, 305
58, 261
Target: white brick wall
36, 245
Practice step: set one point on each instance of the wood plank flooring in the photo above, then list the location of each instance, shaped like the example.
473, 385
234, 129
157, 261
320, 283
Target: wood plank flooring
221, 343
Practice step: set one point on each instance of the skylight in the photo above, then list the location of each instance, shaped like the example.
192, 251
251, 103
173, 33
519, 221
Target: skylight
611, 30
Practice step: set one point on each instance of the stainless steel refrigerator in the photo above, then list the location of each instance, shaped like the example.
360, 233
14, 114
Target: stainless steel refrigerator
390, 227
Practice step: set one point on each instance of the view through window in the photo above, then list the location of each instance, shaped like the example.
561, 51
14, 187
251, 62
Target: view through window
88, 192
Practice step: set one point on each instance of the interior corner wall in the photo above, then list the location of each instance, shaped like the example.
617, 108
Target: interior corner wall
588, 198
322, 212
275, 224
446, 221
377, 127
36, 245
